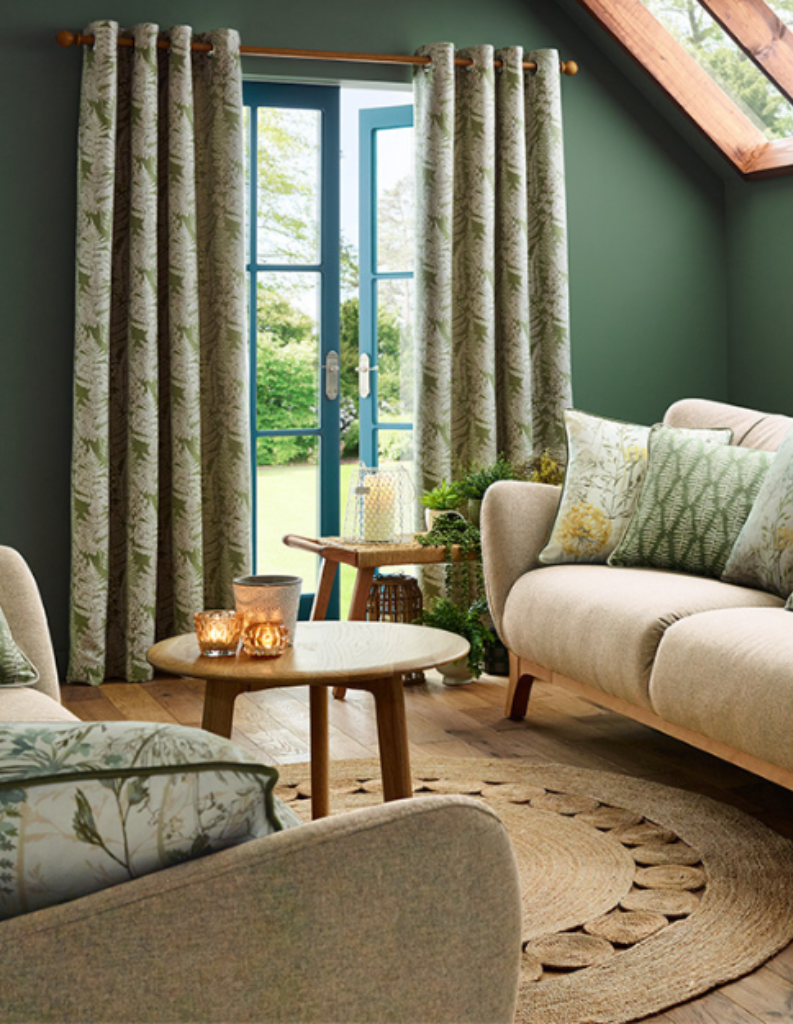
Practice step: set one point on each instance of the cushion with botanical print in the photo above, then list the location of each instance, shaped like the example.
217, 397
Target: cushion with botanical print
16, 669
606, 466
763, 553
695, 499
86, 805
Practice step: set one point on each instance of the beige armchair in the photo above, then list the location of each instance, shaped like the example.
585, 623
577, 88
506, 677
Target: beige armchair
404, 912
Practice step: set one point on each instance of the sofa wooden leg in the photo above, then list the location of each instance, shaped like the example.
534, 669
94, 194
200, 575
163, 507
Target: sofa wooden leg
518, 690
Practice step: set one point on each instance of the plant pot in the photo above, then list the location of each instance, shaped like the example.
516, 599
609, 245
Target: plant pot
456, 673
431, 514
475, 511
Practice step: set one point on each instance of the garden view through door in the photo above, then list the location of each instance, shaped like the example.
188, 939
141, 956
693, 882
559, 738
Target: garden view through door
315, 410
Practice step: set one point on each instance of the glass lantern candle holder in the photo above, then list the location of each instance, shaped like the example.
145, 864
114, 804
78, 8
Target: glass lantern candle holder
264, 638
218, 632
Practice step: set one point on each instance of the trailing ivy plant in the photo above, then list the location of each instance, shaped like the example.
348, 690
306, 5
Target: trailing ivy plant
466, 622
451, 530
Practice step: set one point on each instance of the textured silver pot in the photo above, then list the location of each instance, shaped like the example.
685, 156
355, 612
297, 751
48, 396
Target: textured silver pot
274, 598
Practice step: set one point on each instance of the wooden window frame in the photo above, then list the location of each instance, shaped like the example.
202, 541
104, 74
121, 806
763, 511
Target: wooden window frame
762, 36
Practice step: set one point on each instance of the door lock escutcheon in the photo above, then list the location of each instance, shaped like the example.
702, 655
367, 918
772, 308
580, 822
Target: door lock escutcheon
331, 369
364, 370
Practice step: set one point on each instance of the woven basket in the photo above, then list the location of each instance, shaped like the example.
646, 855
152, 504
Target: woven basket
396, 598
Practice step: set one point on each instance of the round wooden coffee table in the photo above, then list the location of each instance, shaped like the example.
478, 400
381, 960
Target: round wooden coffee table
369, 656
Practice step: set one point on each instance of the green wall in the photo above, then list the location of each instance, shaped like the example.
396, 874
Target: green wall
647, 236
760, 277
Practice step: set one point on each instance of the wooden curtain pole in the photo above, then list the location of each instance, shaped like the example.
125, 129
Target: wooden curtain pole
66, 38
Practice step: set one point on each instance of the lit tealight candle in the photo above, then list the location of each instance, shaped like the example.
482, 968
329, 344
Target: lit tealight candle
218, 632
264, 638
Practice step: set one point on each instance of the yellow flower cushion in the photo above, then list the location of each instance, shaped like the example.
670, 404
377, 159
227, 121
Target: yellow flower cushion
606, 467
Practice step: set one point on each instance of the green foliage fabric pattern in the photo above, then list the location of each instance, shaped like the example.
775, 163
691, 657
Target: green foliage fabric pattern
763, 553
160, 473
606, 468
491, 272
16, 669
84, 806
695, 499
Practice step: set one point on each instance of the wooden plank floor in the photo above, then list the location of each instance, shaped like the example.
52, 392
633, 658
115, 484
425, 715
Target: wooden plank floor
468, 721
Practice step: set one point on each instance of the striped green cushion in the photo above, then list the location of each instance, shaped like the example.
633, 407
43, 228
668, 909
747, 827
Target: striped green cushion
695, 499
16, 669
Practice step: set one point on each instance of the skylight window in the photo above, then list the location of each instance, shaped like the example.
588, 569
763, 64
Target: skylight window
725, 62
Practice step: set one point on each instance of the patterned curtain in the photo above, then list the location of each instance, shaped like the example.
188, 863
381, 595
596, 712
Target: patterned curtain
160, 472
491, 275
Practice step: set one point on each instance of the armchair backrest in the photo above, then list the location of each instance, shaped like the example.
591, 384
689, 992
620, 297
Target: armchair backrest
23, 608
751, 429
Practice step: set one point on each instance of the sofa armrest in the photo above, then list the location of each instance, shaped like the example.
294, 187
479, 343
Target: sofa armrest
23, 608
407, 911
516, 522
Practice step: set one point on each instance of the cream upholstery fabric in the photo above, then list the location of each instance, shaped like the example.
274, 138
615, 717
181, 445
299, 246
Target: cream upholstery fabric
751, 429
516, 520
21, 604
729, 675
602, 625
27, 705
408, 911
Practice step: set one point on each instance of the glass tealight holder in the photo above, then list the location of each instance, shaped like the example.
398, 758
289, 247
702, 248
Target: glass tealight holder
264, 638
218, 632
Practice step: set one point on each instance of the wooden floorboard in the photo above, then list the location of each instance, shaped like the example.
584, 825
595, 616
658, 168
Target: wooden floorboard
468, 721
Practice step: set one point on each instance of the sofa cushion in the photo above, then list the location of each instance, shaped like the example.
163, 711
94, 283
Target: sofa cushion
602, 626
729, 675
87, 805
16, 668
28, 705
606, 467
695, 499
763, 553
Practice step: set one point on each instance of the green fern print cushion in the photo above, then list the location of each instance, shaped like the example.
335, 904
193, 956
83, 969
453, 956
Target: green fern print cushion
16, 669
695, 499
606, 467
86, 805
763, 553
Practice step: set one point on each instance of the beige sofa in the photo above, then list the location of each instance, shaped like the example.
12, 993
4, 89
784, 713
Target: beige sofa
408, 911
707, 662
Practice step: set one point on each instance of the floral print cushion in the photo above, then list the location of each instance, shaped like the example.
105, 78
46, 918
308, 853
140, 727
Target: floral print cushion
16, 669
606, 467
763, 553
87, 805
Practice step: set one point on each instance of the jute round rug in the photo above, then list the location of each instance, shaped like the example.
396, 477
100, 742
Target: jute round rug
636, 896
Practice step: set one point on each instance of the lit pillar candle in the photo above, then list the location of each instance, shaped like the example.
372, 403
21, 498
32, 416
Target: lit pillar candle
379, 508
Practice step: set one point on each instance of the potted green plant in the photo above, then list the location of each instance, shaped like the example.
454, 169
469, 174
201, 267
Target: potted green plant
477, 480
467, 623
443, 498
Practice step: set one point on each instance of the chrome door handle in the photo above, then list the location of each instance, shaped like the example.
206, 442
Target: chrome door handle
364, 369
331, 369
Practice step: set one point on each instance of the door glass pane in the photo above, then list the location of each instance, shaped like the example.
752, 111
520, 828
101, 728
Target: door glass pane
396, 446
287, 498
395, 199
289, 167
395, 350
287, 329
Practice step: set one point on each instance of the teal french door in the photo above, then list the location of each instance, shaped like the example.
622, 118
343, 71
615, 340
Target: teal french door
386, 355
292, 169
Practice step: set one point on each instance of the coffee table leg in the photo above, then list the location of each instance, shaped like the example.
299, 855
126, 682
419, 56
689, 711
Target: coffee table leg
320, 783
219, 705
357, 612
389, 698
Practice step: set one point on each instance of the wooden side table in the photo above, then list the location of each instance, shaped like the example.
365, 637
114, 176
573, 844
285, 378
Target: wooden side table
365, 559
370, 656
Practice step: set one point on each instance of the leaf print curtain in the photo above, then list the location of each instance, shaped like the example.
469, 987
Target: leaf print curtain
492, 322
160, 468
